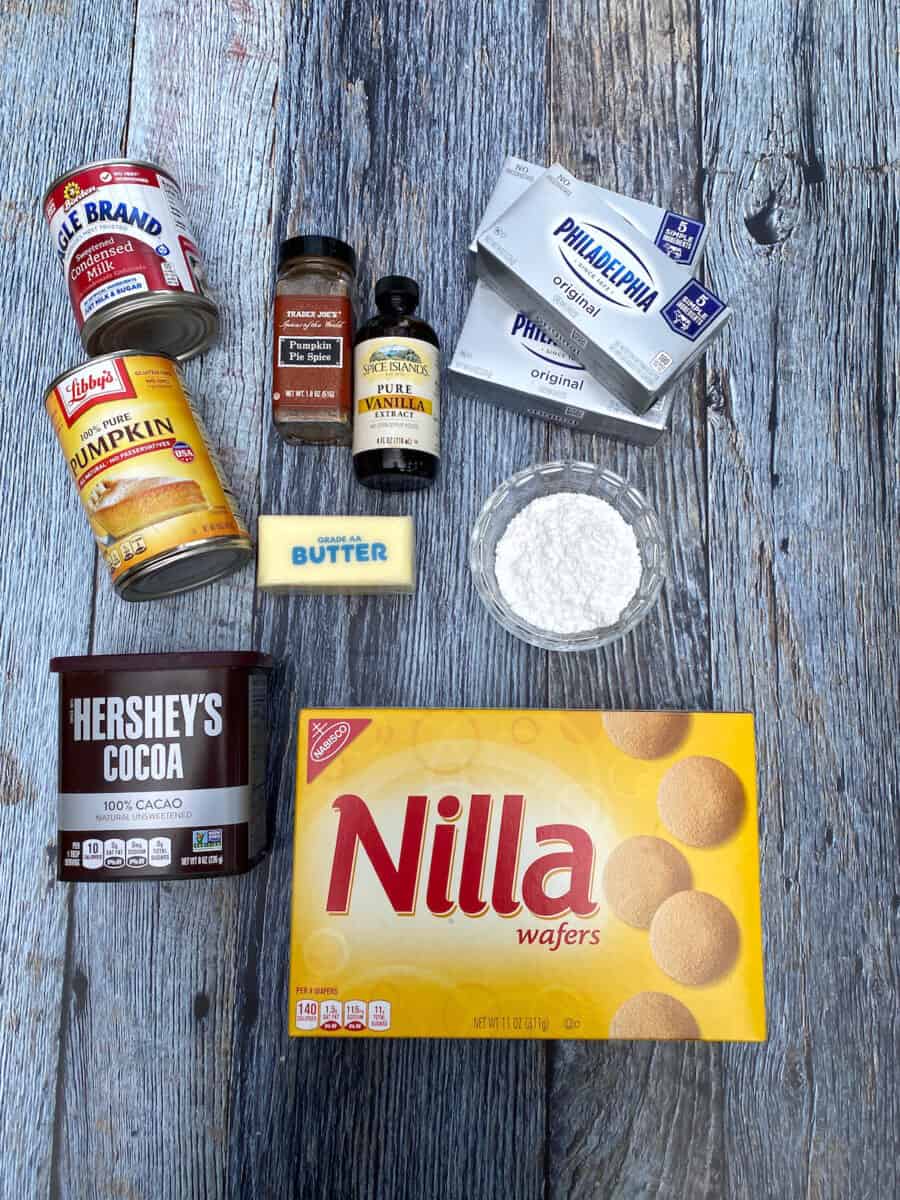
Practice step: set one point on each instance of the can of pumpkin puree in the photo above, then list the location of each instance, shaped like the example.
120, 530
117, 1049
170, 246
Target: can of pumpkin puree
152, 489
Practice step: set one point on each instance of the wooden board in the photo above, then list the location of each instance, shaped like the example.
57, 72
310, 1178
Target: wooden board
158, 964
143, 1047
400, 164
804, 501
47, 564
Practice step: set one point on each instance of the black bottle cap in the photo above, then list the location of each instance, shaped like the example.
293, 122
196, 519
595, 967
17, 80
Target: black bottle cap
313, 245
396, 294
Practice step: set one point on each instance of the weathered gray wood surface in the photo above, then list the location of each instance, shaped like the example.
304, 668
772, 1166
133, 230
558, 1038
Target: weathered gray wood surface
143, 1050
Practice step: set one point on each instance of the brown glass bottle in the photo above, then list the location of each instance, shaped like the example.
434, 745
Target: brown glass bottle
396, 420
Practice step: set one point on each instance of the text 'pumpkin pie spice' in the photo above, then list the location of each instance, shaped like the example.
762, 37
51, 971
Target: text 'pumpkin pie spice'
646, 734
654, 1016
153, 491
701, 801
639, 875
694, 938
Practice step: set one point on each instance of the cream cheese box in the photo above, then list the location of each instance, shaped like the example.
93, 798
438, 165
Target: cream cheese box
502, 356
681, 237
567, 256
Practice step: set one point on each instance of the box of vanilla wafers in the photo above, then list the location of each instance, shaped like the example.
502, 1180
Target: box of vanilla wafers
526, 873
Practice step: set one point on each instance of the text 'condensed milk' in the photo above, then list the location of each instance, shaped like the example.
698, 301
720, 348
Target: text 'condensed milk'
132, 266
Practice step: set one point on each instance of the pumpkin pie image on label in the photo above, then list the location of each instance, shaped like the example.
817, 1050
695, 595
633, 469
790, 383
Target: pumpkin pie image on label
123, 506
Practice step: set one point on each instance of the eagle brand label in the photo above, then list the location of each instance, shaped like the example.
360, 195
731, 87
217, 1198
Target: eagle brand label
397, 395
119, 230
138, 456
457, 873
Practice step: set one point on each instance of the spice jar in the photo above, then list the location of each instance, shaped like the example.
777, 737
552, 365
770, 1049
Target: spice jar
312, 378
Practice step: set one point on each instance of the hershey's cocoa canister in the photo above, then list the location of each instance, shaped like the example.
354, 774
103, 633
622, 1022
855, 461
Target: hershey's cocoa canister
162, 765
132, 266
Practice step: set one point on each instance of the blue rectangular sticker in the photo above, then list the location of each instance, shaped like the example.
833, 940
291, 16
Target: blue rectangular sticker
679, 237
690, 311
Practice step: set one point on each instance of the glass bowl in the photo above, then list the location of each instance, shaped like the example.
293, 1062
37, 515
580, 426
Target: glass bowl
546, 480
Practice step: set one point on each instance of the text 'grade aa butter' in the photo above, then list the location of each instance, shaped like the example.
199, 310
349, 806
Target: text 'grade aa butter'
546, 874
340, 555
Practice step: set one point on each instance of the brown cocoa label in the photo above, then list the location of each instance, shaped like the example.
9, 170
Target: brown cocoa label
313, 365
161, 774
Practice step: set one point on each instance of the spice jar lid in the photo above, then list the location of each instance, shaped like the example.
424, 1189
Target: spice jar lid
313, 245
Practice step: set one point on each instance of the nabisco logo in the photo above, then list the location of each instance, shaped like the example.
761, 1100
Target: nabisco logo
327, 739
96, 383
510, 877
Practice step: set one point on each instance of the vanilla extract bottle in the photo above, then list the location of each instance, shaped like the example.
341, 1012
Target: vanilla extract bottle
396, 421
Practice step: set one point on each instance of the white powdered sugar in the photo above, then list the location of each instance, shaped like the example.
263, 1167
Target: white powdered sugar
568, 563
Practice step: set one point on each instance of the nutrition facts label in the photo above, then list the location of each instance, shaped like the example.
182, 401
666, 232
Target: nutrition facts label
115, 853
352, 1015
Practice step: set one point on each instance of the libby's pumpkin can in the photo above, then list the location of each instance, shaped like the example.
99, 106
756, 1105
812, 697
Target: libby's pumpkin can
153, 491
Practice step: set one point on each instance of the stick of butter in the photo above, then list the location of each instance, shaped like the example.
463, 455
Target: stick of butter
336, 555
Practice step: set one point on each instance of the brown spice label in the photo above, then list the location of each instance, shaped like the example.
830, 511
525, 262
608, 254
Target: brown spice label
312, 360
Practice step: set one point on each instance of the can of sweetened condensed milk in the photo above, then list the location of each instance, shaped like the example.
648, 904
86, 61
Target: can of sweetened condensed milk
153, 491
131, 263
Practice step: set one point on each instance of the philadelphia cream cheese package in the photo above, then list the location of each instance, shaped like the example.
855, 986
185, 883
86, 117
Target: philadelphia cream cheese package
681, 238
516, 177
504, 357
568, 256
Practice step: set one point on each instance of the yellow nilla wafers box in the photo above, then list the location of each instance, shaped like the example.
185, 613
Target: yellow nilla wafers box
526, 873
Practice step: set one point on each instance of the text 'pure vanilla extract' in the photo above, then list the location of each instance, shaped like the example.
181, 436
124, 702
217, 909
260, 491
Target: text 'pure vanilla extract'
396, 429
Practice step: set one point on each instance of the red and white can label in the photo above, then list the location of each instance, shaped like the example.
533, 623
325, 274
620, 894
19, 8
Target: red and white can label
119, 230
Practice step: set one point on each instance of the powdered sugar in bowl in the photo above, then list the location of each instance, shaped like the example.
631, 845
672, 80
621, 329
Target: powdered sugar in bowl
567, 556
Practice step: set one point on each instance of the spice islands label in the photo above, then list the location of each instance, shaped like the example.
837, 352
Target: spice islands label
458, 873
397, 395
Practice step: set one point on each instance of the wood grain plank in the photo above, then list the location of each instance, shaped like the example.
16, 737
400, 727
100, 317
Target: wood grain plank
801, 143
395, 121
147, 1079
639, 1120
46, 569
